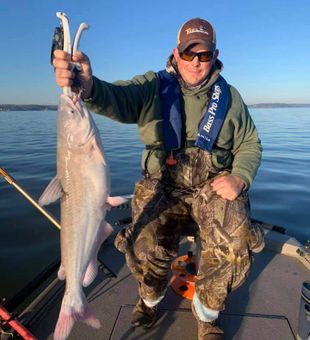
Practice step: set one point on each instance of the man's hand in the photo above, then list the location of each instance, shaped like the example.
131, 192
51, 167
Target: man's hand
228, 187
65, 76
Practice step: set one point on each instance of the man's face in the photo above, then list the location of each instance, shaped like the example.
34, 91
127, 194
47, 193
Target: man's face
194, 72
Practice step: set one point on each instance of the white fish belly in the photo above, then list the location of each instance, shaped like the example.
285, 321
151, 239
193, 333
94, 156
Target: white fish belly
83, 211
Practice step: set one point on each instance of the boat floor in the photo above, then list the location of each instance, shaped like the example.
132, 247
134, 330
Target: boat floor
265, 307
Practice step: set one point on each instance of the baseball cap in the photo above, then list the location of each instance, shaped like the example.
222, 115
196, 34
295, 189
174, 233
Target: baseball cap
196, 31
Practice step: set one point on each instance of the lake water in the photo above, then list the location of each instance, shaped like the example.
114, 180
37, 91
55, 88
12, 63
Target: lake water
28, 242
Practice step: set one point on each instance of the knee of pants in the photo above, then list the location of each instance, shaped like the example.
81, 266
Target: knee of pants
153, 259
219, 220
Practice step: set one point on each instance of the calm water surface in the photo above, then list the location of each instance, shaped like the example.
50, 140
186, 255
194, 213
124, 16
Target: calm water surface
28, 242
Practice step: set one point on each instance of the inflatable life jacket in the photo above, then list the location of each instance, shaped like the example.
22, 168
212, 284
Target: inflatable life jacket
210, 125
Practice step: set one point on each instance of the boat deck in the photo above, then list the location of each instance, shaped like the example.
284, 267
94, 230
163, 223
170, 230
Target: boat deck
265, 307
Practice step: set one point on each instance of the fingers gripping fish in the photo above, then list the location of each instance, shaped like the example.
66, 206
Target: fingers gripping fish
82, 184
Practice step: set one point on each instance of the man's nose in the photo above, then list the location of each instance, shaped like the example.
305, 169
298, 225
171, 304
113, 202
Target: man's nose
196, 61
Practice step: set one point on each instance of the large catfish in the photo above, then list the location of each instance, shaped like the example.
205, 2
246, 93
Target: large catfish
83, 185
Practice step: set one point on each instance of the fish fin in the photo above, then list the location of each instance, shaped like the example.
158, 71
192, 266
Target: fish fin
91, 272
116, 201
61, 273
107, 231
90, 318
52, 192
68, 315
64, 325
92, 268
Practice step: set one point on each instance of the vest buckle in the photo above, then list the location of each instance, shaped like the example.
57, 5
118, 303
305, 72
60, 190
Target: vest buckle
171, 161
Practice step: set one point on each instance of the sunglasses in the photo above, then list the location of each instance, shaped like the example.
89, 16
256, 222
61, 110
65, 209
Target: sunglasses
202, 56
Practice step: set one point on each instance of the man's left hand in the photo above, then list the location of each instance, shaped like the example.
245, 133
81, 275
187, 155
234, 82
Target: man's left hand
228, 187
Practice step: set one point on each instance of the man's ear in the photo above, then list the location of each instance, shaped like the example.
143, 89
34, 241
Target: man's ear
216, 54
176, 54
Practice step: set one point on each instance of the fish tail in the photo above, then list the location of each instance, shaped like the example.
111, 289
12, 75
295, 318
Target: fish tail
68, 315
90, 318
64, 325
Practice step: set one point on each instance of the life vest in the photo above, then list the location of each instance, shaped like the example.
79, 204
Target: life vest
211, 123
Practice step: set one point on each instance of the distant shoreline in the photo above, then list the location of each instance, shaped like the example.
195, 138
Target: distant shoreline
36, 107
28, 107
276, 105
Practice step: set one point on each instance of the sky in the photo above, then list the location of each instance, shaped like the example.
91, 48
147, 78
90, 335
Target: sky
263, 44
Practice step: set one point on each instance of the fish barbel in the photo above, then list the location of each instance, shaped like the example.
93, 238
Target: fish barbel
83, 185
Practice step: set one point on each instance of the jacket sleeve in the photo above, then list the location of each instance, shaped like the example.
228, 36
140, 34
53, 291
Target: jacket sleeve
123, 101
247, 149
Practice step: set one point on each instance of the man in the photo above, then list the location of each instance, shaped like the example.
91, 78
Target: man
202, 153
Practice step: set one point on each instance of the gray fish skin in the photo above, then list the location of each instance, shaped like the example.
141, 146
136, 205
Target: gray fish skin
83, 185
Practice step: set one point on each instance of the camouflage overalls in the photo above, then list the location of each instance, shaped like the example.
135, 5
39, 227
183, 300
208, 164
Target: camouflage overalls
163, 208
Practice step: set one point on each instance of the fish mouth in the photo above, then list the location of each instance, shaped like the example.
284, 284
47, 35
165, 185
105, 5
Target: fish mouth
75, 99
74, 125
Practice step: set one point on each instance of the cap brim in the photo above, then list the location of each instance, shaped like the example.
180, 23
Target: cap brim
207, 44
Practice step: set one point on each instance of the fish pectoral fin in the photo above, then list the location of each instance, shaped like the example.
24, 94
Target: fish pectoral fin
116, 201
52, 192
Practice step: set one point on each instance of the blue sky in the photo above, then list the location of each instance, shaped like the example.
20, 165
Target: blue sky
264, 44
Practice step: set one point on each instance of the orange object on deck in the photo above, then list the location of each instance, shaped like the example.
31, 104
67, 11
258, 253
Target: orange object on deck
16, 325
184, 276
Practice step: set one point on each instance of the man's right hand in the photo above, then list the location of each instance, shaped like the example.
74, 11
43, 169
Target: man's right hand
65, 76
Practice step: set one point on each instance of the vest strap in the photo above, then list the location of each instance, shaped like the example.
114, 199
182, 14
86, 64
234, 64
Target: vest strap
171, 110
213, 119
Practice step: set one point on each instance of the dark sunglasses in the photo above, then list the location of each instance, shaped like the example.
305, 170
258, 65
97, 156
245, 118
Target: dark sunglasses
202, 56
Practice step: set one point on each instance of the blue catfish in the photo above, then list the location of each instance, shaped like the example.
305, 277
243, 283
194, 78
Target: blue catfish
83, 185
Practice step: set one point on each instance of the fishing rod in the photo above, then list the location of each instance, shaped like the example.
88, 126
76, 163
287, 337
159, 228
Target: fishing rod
12, 182
47, 214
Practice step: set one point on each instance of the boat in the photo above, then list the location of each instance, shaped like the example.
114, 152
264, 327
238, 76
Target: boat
267, 306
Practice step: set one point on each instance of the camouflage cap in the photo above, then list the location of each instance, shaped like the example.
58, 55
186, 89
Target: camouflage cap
196, 31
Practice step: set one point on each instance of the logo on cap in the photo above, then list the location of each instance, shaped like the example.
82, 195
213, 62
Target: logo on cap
200, 29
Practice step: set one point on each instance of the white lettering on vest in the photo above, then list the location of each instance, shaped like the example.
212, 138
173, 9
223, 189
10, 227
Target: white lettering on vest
212, 110
209, 123
216, 94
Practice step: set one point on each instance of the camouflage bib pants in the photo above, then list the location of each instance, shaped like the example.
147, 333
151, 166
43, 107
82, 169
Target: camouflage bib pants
163, 208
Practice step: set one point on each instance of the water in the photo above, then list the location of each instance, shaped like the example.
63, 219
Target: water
28, 242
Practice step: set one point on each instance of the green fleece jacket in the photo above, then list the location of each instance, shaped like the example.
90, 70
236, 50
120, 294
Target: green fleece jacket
237, 147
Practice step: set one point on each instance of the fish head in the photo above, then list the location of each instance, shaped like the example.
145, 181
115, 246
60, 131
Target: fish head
75, 124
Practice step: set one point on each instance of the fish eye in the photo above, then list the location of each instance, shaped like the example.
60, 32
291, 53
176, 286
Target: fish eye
71, 111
